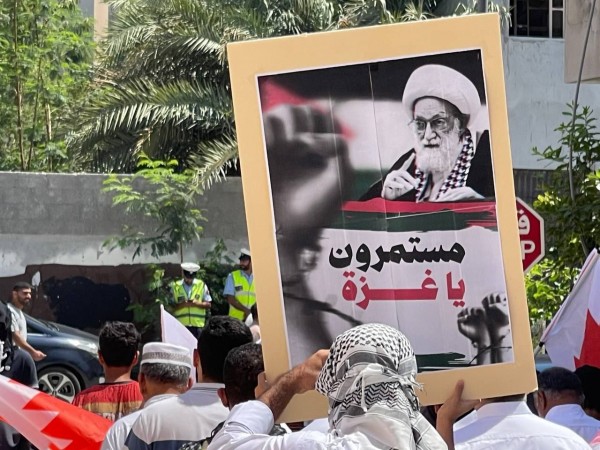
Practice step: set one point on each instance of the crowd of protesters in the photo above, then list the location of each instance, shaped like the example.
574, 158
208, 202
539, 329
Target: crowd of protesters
368, 376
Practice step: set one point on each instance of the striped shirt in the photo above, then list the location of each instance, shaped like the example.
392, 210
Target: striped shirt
111, 400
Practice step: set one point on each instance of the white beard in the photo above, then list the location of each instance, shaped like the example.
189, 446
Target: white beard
438, 160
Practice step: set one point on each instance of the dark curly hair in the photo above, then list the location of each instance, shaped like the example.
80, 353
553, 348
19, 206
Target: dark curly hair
119, 343
240, 372
220, 335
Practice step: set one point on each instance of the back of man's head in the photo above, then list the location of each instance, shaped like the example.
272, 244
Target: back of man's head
557, 386
559, 379
119, 343
166, 374
240, 373
164, 368
220, 335
590, 382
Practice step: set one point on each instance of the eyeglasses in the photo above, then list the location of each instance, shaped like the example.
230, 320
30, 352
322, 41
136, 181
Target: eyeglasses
437, 125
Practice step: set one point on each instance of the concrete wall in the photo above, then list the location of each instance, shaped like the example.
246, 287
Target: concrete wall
99, 10
65, 218
537, 96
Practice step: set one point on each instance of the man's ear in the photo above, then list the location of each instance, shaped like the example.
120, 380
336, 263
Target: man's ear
136, 358
541, 403
262, 385
142, 382
462, 128
196, 358
198, 366
100, 358
223, 396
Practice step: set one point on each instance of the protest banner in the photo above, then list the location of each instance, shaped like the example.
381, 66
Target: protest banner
342, 137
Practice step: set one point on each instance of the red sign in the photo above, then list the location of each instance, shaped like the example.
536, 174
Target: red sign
531, 235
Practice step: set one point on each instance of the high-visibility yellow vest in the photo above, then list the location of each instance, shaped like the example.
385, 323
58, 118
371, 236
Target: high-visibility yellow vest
244, 293
189, 316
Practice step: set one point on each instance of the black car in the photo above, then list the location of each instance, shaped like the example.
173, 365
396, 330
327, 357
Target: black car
71, 363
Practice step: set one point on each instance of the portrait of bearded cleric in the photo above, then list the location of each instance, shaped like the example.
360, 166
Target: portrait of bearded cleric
447, 164
383, 196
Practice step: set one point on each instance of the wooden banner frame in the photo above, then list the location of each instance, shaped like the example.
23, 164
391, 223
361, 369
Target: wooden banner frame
248, 60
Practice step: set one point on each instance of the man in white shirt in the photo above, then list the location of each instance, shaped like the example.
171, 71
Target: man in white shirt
164, 373
368, 377
240, 376
507, 423
193, 415
559, 399
21, 296
17, 365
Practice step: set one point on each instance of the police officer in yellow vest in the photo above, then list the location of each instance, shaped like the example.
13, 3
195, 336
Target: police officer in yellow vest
191, 299
239, 288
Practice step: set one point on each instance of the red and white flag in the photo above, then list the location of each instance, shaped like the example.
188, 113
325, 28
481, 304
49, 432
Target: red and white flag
47, 422
573, 337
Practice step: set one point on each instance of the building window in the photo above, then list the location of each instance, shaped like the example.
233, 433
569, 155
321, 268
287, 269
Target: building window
537, 18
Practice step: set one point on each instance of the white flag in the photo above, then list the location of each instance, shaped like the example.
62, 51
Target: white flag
173, 332
573, 337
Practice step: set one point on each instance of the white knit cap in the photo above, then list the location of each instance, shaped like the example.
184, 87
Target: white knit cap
434, 80
190, 267
163, 353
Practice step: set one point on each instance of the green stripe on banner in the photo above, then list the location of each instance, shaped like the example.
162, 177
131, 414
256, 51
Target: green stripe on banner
407, 216
442, 361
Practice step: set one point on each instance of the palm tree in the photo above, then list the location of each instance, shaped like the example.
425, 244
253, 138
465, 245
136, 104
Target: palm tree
162, 83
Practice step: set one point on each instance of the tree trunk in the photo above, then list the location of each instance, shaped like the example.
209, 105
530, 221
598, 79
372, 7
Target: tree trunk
18, 84
35, 111
48, 122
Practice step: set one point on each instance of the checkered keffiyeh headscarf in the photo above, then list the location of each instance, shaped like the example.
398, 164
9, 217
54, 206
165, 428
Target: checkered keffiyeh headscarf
369, 379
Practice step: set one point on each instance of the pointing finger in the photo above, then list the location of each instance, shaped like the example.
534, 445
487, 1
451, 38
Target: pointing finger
408, 162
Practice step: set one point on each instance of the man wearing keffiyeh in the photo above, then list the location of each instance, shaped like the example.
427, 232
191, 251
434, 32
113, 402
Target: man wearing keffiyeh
447, 164
369, 378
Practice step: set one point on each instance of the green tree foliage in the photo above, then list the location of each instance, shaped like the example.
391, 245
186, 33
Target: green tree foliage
547, 285
46, 49
163, 83
162, 198
166, 199
571, 224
